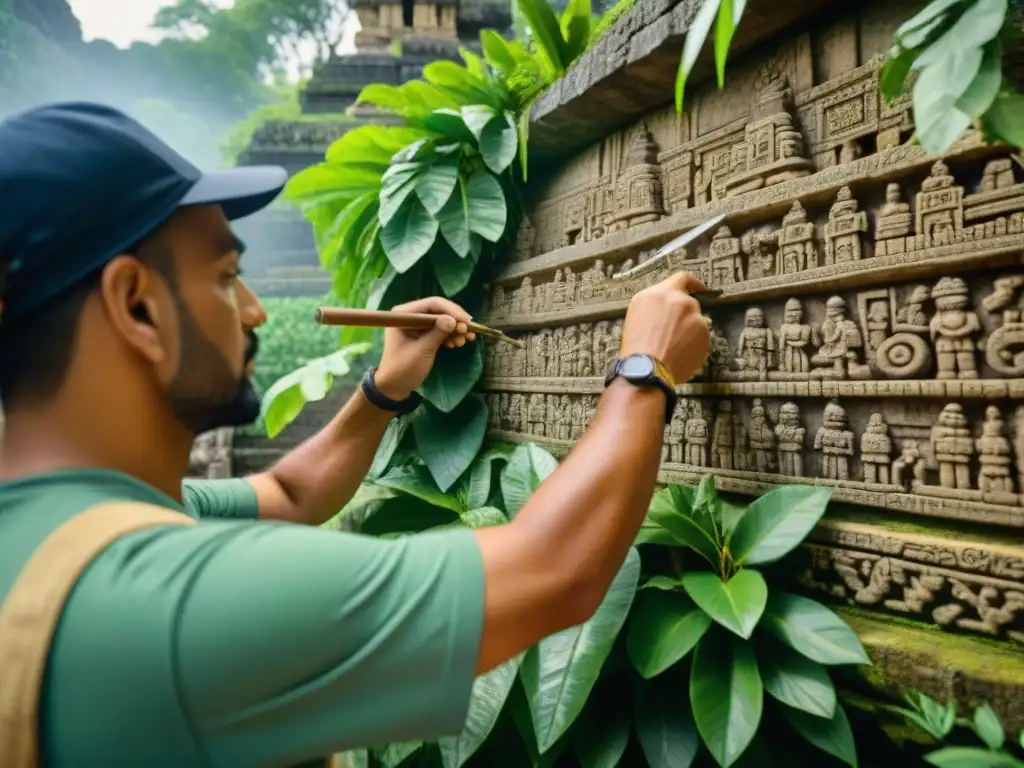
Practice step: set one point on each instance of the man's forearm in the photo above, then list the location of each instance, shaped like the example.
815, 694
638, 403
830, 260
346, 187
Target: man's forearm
313, 482
570, 538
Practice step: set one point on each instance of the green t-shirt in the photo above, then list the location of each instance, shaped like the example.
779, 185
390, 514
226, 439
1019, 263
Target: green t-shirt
241, 643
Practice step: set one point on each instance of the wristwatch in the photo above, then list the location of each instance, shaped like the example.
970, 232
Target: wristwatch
385, 403
645, 371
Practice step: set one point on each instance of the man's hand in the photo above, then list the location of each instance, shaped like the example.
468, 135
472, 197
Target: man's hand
665, 321
409, 355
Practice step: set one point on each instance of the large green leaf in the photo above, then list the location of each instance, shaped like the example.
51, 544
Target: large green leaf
663, 628
481, 474
729, 14
829, 734
497, 52
325, 183
736, 604
937, 90
989, 727
415, 480
1005, 118
934, 10
393, 436
575, 27
487, 212
811, 629
356, 758
448, 442
403, 515
455, 373
652, 533
979, 24
669, 515
490, 691
695, 37
601, 734
499, 142
664, 725
797, 681
453, 272
396, 753
453, 220
775, 523
483, 517
527, 467
984, 88
371, 144
547, 33
970, 757
435, 186
407, 237
397, 184
726, 695
560, 671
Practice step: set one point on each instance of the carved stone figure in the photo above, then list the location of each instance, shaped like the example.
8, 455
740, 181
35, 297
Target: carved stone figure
525, 238
876, 450
877, 323
835, 441
994, 456
797, 250
796, 339
726, 259
893, 224
953, 447
676, 433
846, 225
940, 212
697, 436
840, 344
762, 439
756, 345
909, 469
720, 359
537, 414
790, 432
740, 444
638, 191
722, 445
585, 346
953, 329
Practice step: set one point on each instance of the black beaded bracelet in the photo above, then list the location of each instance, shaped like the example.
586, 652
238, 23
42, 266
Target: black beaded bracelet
379, 400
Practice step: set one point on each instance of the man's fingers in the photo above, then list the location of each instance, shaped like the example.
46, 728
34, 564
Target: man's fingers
685, 281
435, 305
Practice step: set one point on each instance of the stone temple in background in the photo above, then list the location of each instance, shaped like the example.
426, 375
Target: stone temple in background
396, 41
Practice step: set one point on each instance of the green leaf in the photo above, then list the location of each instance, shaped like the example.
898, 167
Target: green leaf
560, 671
985, 86
934, 10
729, 14
1005, 118
969, 757
476, 117
894, 74
398, 752
393, 435
575, 28
527, 467
415, 480
664, 583
481, 478
936, 93
736, 604
726, 696
695, 38
810, 628
483, 517
498, 143
453, 272
665, 513
408, 236
664, 725
652, 533
988, 727
487, 212
455, 373
448, 442
347, 226
776, 523
448, 123
490, 691
404, 515
435, 187
371, 144
523, 131
547, 33
496, 52
832, 735
979, 24
356, 758
663, 629
453, 220
797, 681
601, 734
398, 183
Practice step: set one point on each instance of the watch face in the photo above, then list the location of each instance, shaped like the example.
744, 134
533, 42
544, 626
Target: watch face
637, 367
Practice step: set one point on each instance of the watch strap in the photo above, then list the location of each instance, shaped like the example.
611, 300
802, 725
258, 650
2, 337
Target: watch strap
661, 378
379, 400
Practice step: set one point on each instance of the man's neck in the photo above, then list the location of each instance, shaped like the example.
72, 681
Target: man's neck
154, 450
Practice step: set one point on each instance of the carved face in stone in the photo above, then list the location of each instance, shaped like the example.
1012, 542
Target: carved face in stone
835, 308
794, 312
877, 311
789, 415
893, 194
754, 318
953, 416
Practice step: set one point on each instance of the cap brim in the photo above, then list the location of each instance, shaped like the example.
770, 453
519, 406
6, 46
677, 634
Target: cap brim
239, 191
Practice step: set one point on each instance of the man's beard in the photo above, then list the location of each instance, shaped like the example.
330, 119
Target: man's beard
204, 393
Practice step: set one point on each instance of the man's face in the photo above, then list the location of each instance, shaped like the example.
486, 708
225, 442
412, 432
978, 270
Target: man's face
211, 383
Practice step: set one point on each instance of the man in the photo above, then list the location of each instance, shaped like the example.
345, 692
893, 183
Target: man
126, 331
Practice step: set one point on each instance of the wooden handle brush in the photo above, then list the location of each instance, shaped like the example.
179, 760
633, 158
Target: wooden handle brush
413, 321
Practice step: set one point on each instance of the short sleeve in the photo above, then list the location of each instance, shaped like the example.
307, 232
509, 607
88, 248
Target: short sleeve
230, 498
266, 644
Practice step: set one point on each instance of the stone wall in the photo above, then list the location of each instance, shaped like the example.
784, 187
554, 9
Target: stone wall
870, 334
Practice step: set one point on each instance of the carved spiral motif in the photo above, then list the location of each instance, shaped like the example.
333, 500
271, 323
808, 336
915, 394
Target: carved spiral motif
1004, 350
904, 356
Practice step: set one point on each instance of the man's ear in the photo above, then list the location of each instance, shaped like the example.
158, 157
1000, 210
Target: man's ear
131, 296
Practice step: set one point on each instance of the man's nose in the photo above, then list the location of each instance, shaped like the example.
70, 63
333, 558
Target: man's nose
252, 312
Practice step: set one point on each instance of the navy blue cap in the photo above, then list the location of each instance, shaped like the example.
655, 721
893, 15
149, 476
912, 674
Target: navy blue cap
81, 183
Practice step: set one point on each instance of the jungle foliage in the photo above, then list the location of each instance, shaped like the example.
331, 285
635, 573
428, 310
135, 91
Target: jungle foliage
950, 56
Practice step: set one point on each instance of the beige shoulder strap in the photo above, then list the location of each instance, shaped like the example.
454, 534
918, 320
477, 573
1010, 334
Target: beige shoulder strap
30, 613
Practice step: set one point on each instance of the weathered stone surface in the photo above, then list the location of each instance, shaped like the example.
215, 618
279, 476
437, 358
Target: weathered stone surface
869, 337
